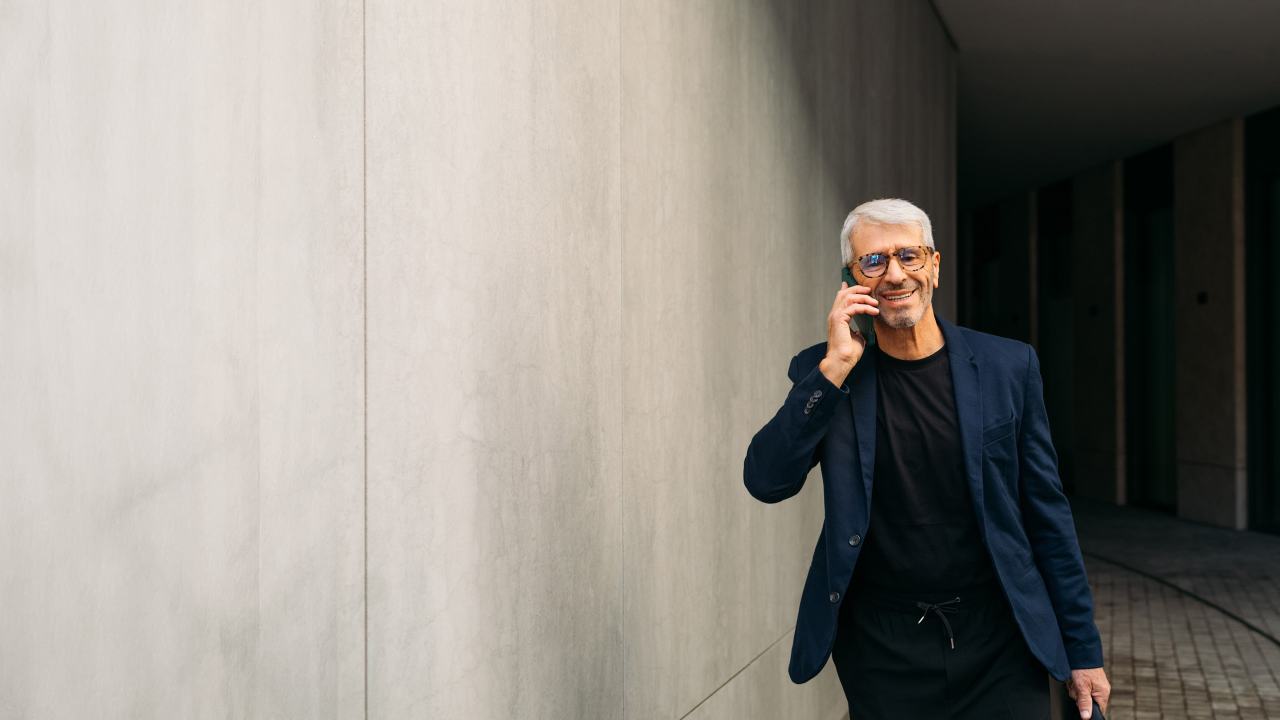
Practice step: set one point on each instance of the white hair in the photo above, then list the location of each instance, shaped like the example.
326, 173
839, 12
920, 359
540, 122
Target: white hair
884, 211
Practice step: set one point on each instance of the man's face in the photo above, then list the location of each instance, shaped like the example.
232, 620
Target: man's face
918, 285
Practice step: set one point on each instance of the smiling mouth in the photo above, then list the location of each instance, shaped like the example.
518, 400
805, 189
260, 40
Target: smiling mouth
896, 300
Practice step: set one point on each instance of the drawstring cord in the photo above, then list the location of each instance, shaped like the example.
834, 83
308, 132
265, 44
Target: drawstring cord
938, 609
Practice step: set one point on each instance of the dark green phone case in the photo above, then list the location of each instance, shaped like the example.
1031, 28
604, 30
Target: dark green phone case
862, 323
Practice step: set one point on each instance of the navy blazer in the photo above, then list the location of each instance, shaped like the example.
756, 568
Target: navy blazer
1012, 470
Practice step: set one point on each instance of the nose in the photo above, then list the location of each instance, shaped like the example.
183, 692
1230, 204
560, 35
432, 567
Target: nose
894, 274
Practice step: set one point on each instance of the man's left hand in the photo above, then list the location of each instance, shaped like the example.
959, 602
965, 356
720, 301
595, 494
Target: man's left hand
1087, 685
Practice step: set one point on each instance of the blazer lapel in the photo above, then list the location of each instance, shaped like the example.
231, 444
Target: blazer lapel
862, 396
967, 384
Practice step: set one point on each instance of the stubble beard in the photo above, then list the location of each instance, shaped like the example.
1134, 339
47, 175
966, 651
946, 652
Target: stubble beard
902, 319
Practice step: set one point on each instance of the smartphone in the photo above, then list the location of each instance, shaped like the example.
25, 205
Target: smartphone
864, 324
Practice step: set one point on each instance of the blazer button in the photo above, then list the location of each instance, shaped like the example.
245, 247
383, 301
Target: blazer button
817, 394
807, 408
835, 596
855, 539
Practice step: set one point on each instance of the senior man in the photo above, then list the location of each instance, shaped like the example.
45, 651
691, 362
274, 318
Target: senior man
962, 585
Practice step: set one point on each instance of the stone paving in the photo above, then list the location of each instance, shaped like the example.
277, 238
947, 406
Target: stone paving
1169, 654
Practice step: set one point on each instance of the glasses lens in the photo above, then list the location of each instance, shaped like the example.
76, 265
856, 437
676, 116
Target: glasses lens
911, 258
873, 264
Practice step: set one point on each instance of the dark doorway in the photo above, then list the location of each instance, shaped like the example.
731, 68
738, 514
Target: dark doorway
1262, 317
1055, 337
999, 269
1149, 325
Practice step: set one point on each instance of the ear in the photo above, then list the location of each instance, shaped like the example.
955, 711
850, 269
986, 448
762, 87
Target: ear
937, 260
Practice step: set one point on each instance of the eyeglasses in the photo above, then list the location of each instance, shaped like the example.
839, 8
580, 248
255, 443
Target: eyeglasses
911, 258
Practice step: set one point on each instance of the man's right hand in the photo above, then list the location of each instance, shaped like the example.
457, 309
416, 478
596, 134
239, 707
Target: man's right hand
844, 346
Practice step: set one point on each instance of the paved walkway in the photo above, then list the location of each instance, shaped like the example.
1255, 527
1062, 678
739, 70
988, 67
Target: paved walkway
1175, 602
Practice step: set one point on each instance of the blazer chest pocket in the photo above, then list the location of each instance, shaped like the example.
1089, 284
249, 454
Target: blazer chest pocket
1000, 455
998, 430
998, 439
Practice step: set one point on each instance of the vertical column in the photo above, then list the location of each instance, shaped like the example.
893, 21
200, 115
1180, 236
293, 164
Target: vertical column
1098, 296
1209, 306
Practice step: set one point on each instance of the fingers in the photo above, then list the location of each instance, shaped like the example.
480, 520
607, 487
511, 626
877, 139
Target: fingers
855, 300
1084, 700
1087, 686
865, 301
845, 289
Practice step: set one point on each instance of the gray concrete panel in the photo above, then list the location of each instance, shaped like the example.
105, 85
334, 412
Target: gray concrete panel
180, 361
748, 134
724, 254
1209, 302
496, 579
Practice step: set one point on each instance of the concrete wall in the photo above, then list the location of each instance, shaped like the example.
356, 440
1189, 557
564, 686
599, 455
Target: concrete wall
568, 248
735, 191
1210, 315
181, 361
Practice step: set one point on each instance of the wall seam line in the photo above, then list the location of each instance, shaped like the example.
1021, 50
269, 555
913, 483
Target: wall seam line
942, 22
622, 369
364, 302
728, 680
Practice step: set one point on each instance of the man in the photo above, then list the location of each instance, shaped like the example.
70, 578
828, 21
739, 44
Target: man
955, 591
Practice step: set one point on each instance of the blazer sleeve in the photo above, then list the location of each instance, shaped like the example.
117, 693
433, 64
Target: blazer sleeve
1050, 528
782, 453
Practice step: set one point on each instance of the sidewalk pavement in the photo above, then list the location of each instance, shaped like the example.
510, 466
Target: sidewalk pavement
1175, 602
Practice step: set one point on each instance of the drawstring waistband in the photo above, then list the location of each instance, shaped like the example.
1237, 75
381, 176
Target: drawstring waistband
939, 609
963, 601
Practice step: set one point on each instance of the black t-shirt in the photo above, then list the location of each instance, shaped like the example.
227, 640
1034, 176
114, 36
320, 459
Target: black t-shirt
923, 534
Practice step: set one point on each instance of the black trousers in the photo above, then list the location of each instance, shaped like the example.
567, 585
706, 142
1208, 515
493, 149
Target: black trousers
894, 665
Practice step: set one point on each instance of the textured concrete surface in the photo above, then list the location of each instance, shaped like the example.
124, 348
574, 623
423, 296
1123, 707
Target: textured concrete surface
746, 139
590, 237
495, 436
1210, 425
181, 434
738, 173
597, 235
